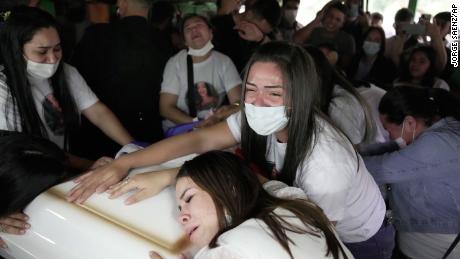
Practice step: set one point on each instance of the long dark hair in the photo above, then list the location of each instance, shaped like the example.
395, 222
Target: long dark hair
302, 91
429, 104
329, 77
236, 190
29, 165
19, 29
430, 75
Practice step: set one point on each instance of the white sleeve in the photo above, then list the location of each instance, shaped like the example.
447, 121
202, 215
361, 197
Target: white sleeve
234, 124
282, 190
230, 76
221, 252
171, 81
348, 114
440, 83
82, 94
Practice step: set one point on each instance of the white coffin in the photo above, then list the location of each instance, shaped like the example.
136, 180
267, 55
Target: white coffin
101, 228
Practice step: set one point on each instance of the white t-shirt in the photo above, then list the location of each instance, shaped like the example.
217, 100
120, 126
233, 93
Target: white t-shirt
47, 106
348, 114
334, 177
373, 95
236, 243
213, 78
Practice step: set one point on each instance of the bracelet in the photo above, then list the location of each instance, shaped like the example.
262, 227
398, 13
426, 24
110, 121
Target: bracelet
237, 104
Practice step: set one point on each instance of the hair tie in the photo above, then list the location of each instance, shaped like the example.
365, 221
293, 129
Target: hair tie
5, 15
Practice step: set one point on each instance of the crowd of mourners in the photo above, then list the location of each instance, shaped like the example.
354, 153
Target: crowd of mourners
329, 140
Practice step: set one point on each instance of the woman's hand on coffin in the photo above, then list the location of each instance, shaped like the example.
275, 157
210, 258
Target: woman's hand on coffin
105, 160
97, 180
143, 185
15, 223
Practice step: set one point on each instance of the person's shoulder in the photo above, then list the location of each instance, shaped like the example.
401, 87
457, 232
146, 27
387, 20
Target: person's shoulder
248, 231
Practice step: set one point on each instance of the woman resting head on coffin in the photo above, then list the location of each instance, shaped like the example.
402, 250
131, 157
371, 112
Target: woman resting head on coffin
28, 166
226, 212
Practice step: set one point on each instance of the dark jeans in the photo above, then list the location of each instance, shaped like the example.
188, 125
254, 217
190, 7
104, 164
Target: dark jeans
379, 246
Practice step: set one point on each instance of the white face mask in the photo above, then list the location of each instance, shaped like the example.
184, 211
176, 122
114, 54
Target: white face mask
371, 48
201, 52
290, 15
41, 70
266, 120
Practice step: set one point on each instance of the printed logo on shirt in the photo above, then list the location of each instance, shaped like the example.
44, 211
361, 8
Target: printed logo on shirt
53, 115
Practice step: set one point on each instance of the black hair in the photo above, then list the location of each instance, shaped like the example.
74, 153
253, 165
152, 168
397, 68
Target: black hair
269, 10
442, 18
161, 11
404, 15
377, 15
340, 7
428, 104
235, 190
29, 165
430, 75
20, 27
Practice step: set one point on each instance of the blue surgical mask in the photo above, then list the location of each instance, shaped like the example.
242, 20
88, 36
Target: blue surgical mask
371, 48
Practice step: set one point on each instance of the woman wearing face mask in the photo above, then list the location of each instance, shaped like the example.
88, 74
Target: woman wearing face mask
282, 131
223, 208
424, 175
41, 96
370, 64
178, 98
421, 70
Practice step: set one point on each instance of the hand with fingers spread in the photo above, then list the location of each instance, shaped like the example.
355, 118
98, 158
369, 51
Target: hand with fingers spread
15, 223
145, 185
97, 180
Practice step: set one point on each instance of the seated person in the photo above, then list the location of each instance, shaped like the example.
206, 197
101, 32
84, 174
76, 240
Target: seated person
224, 208
214, 77
424, 175
420, 70
28, 166
370, 64
326, 28
39, 93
